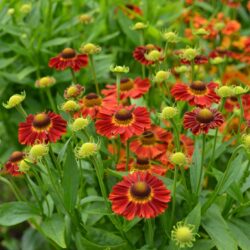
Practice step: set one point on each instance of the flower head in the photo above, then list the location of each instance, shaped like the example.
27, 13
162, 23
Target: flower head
189, 54
201, 120
25, 165
70, 106
26, 8
86, 150
85, 19
12, 165
197, 93
217, 60
11, 11
161, 76
238, 90
183, 234
124, 121
68, 58
37, 151
139, 195
168, 113
225, 91
178, 159
181, 69
170, 37
201, 32
45, 82
41, 128
90, 49
73, 91
139, 26
14, 100
246, 141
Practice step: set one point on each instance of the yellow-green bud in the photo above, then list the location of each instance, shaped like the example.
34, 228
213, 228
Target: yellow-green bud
201, 32
70, 106
119, 69
181, 69
237, 112
161, 76
85, 19
139, 26
246, 141
26, 8
24, 165
80, 123
219, 26
39, 150
11, 11
170, 37
45, 82
168, 113
178, 158
225, 91
189, 54
90, 48
153, 55
238, 90
217, 60
15, 100
86, 150
183, 234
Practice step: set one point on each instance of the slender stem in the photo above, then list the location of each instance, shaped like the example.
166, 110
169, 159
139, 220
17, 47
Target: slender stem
221, 182
21, 110
73, 76
92, 65
51, 101
11, 187
202, 162
118, 86
192, 71
54, 161
127, 154
141, 34
150, 235
173, 196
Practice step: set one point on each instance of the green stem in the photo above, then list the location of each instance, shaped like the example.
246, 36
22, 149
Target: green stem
241, 116
118, 86
73, 76
11, 187
127, 154
150, 235
51, 101
21, 110
173, 196
192, 71
201, 165
92, 66
221, 182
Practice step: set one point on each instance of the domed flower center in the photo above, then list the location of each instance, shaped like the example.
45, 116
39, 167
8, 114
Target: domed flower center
123, 116
68, 53
142, 164
140, 190
148, 138
92, 100
72, 90
126, 84
41, 120
233, 99
205, 116
16, 156
198, 88
150, 47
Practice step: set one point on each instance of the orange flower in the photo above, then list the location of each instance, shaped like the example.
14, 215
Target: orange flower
231, 27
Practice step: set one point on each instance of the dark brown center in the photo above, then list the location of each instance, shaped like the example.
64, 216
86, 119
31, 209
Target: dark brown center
92, 100
126, 84
16, 156
205, 116
123, 115
68, 53
198, 87
148, 138
234, 99
142, 164
41, 120
140, 190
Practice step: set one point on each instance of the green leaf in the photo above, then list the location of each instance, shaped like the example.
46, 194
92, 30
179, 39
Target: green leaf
12, 213
195, 167
63, 150
70, 180
7, 61
91, 199
54, 229
203, 244
194, 217
57, 41
218, 230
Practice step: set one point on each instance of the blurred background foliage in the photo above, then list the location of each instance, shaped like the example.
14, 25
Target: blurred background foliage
28, 38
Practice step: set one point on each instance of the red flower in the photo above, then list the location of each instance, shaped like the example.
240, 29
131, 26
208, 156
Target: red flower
139, 195
141, 164
124, 121
201, 120
11, 165
197, 93
140, 52
128, 88
68, 58
90, 105
151, 142
42, 127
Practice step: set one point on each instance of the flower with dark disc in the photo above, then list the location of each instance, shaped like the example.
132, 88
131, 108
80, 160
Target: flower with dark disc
197, 93
41, 128
201, 120
68, 58
139, 195
12, 165
124, 121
